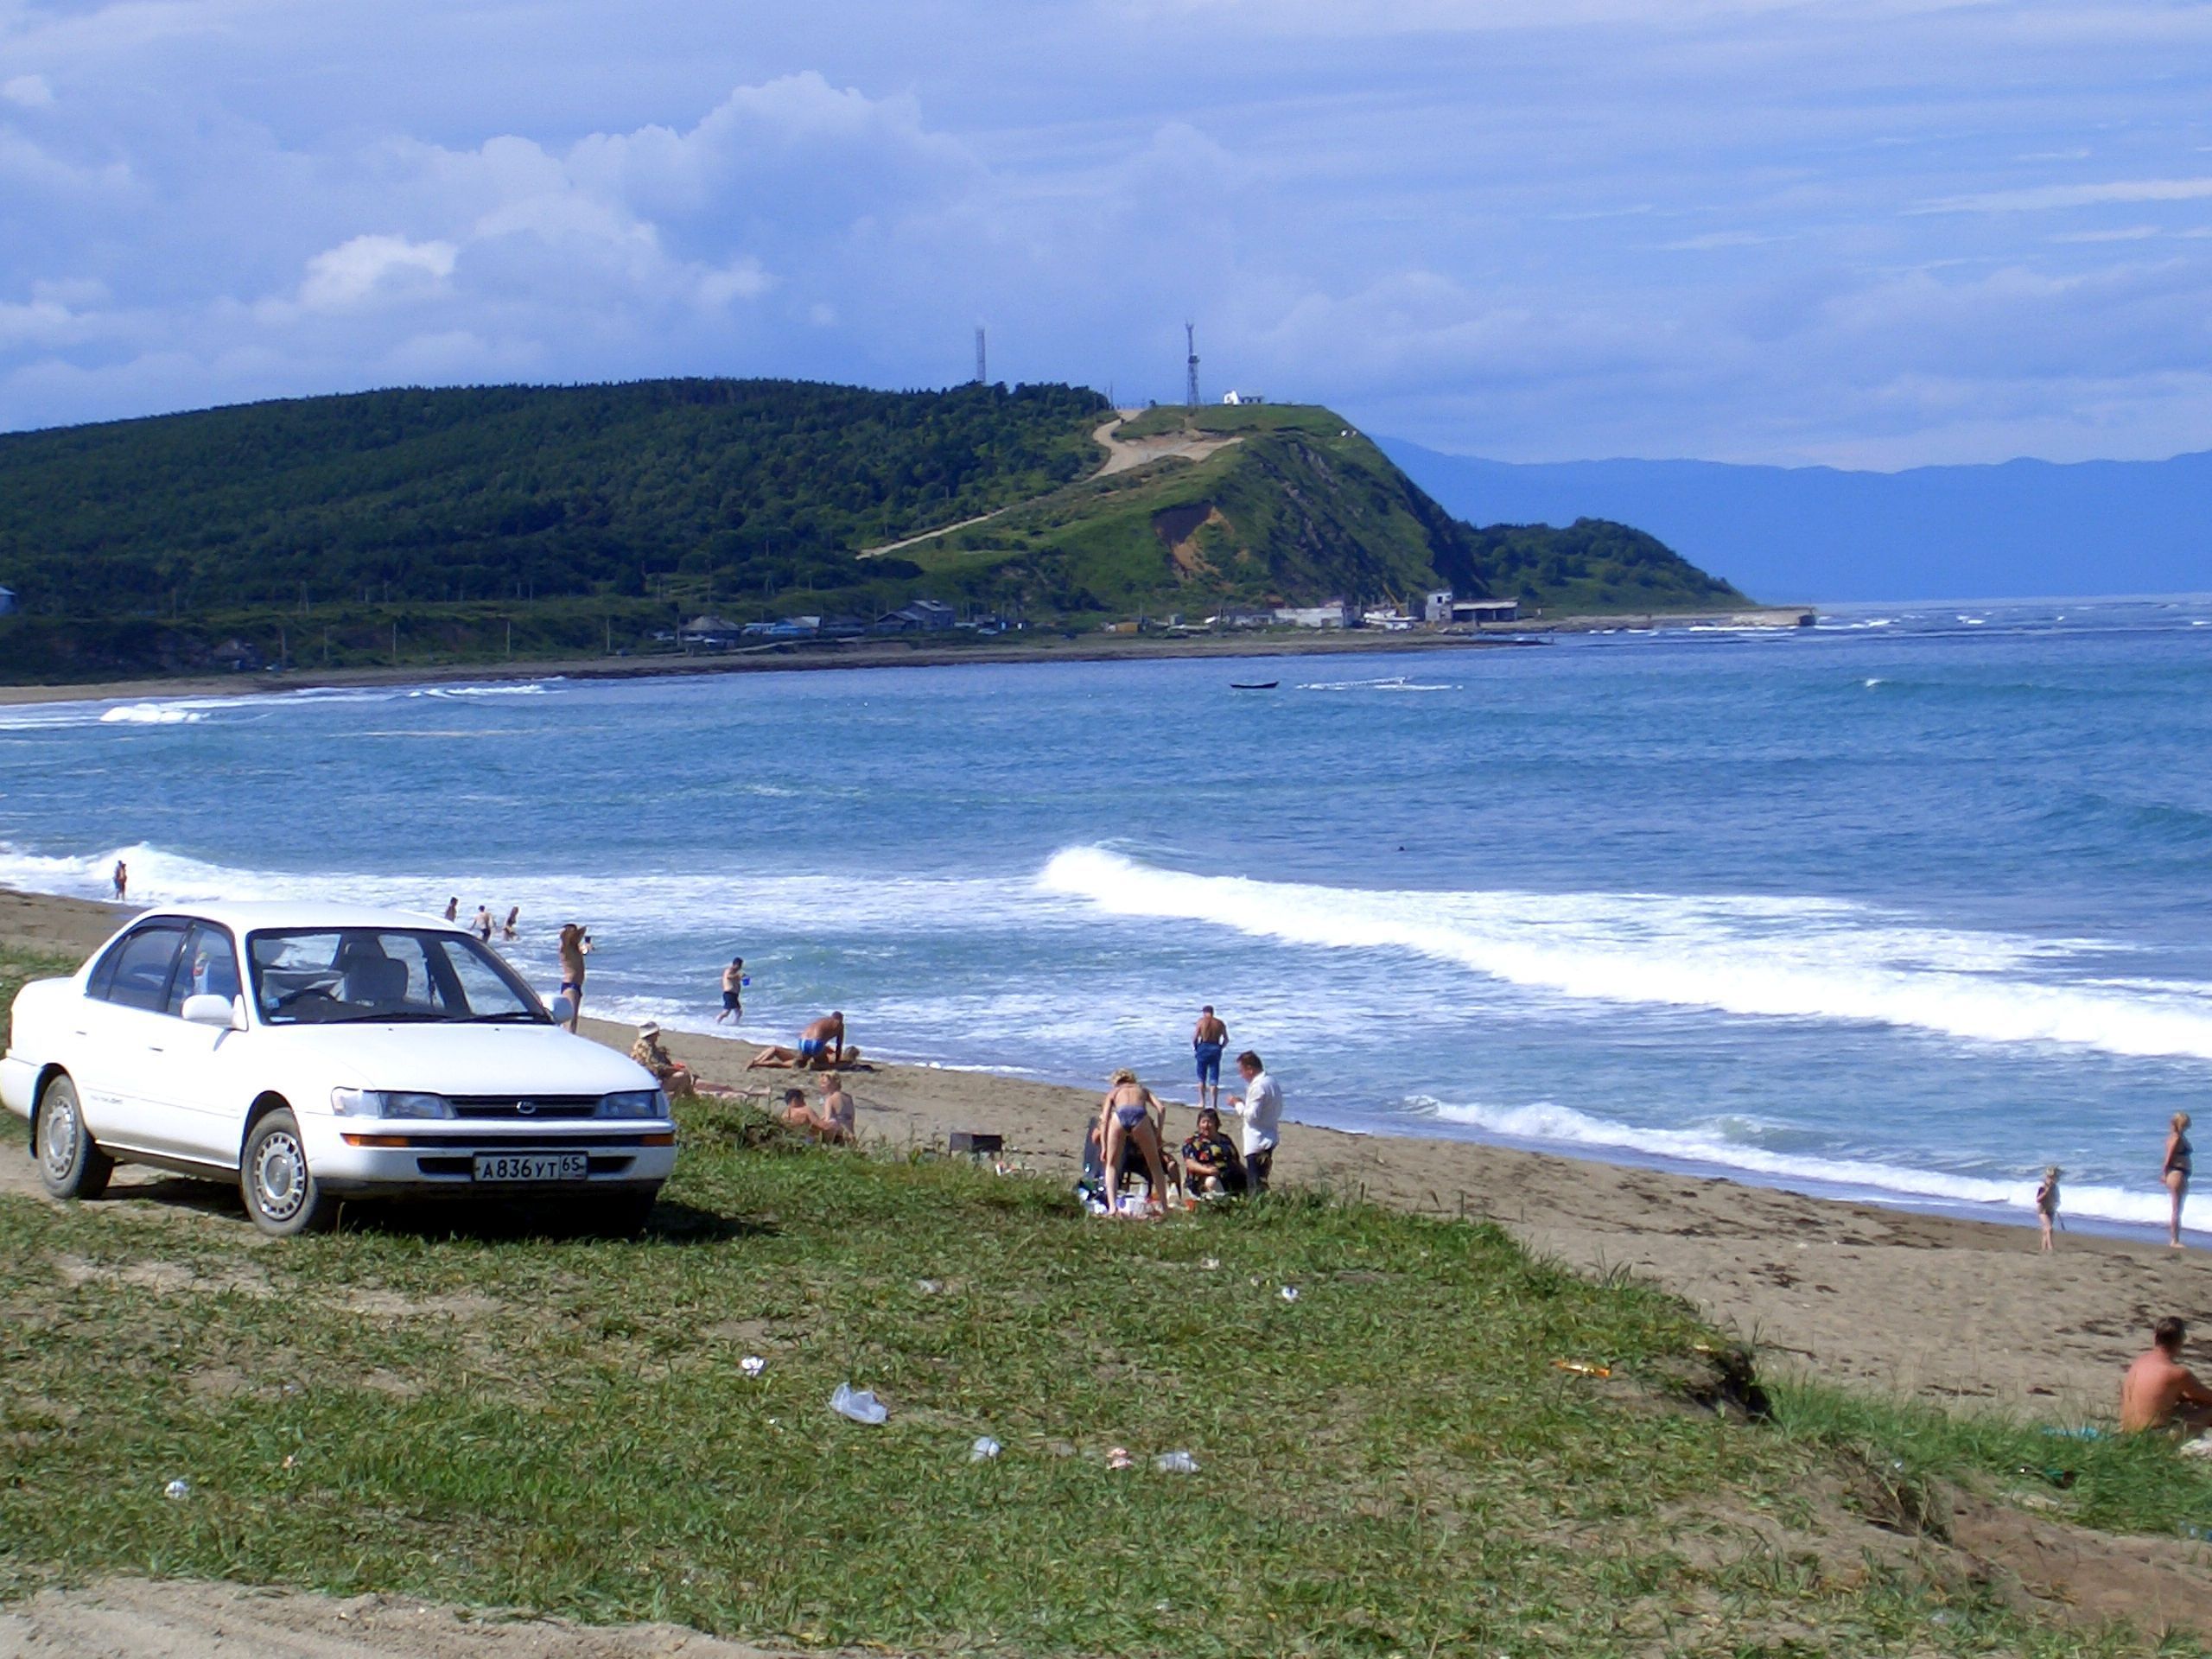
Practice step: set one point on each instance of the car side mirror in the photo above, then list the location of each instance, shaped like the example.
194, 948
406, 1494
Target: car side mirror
205, 1010
563, 1010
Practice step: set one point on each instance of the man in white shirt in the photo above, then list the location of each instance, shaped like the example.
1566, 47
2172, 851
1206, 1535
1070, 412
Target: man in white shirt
1261, 1105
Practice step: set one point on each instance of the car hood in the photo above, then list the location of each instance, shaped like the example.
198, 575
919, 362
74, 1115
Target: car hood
467, 1059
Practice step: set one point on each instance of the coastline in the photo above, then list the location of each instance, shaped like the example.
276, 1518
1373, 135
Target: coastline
1896, 1301
874, 653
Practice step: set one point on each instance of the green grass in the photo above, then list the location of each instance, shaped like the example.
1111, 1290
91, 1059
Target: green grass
1390, 1465
1241, 417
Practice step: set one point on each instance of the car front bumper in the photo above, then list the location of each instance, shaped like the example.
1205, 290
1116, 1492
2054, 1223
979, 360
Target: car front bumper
17, 1077
362, 1160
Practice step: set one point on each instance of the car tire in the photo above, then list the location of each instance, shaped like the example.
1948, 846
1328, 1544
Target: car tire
70, 1162
282, 1195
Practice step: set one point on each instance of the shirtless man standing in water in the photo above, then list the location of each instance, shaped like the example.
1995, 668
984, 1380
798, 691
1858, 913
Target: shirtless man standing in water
2160, 1392
1208, 1038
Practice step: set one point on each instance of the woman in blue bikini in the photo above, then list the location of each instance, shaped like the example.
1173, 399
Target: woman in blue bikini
1126, 1114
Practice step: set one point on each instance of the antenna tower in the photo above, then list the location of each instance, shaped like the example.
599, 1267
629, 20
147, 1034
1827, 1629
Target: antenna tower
982, 379
1190, 365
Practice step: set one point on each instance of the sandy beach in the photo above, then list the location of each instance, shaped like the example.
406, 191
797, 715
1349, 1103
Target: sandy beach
1884, 1300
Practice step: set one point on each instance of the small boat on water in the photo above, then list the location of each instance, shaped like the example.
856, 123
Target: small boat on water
1254, 685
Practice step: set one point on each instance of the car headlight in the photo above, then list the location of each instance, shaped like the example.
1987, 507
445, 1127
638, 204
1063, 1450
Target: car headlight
636, 1103
382, 1102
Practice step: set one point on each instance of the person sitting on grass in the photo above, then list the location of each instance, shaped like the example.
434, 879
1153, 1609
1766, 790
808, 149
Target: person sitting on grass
1210, 1165
669, 1072
832, 1124
2160, 1393
1125, 1116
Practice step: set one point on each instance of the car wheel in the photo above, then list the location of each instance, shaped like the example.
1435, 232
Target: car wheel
70, 1162
281, 1195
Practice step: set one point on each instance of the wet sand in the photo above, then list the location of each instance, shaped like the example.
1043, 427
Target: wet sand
1883, 1300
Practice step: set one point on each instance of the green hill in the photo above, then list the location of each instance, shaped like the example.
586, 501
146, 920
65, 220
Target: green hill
538, 521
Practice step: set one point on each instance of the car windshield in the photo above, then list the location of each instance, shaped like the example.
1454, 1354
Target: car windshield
361, 975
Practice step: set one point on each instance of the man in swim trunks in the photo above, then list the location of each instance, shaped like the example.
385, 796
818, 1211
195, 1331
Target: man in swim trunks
2159, 1392
1208, 1038
821, 1042
733, 991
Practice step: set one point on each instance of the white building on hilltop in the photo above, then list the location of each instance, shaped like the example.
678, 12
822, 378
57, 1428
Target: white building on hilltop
1236, 399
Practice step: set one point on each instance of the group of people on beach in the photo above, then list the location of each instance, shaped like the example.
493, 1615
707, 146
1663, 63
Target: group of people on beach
2174, 1170
1131, 1130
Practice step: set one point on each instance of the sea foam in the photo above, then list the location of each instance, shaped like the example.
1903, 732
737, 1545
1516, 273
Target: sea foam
1789, 958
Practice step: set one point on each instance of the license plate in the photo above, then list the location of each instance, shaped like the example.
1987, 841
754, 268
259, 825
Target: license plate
533, 1166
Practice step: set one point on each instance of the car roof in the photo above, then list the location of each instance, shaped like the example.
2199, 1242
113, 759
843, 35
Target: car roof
251, 916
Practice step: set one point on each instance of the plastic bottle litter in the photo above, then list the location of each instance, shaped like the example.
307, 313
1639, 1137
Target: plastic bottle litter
178, 1488
1290, 1293
752, 1365
1176, 1463
859, 1404
984, 1450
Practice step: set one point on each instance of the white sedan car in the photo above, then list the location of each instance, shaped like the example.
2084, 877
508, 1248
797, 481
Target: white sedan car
313, 1053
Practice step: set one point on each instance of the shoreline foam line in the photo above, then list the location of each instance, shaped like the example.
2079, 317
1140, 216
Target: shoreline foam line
1723, 954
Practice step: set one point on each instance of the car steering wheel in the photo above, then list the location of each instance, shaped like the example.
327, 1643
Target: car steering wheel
290, 997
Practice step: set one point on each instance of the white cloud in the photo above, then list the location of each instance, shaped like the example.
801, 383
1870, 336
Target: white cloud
2046, 197
30, 92
375, 267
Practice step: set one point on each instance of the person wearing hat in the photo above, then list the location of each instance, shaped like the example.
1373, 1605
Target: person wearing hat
671, 1073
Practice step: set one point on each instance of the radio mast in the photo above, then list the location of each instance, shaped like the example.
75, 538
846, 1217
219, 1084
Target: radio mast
1190, 365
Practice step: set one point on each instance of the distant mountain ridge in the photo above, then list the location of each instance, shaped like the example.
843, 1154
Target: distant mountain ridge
2024, 529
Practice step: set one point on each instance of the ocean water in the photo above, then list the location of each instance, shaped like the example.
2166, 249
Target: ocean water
1905, 906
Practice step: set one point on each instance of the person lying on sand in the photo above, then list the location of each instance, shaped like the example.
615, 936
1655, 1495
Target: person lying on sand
821, 1046
672, 1074
833, 1123
2159, 1392
777, 1057
1127, 1114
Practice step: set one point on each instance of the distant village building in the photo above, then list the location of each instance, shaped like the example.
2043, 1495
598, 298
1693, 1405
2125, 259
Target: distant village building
7, 601
1234, 398
1244, 616
709, 633
1479, 611
1334, 614
922, 616
1436, 606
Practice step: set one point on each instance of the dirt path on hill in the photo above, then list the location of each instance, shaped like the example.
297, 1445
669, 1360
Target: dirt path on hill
1122, 455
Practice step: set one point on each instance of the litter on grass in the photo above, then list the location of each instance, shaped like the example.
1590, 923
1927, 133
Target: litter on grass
178, 1488
1579, 1369
1118, 1457
984, 1450
1176, 1463
859, 1404
1290, 1293
752, 1365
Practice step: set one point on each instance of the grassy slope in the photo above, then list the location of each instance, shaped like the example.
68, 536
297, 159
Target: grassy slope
1300, 508
1389, 1465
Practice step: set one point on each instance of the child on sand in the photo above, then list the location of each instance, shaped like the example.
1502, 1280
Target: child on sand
2047, 1201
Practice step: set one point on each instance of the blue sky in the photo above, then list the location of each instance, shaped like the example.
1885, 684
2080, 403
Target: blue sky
1878, 234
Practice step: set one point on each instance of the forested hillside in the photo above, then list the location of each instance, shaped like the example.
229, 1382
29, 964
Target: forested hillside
422, 527
513, 492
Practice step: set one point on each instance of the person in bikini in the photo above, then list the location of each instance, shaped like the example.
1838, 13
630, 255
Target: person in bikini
1208, 1039
575, 945
2175, 1172
1126, 1114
